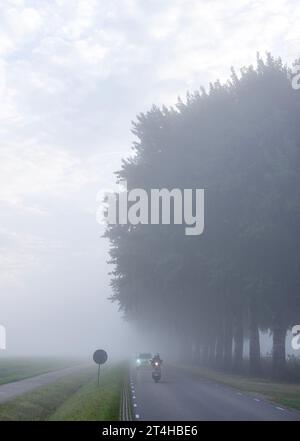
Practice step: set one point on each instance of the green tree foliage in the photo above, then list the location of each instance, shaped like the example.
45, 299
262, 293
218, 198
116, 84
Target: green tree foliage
241, 143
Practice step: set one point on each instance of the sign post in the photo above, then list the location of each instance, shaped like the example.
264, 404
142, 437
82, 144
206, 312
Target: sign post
99, 357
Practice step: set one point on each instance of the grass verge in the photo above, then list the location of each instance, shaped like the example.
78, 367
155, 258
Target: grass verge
92, 402
39, 404
76, 397
287, 394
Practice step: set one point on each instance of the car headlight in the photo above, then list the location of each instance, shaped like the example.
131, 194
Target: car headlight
138, 361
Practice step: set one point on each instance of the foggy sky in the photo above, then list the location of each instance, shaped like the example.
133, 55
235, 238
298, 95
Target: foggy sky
73, 74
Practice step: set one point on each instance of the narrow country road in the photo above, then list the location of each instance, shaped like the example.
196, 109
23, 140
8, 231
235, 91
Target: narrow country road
9, 391
182, 397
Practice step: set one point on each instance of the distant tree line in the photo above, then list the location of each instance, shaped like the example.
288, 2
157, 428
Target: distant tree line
240, 141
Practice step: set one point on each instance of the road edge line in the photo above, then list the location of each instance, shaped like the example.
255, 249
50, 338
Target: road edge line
125, 413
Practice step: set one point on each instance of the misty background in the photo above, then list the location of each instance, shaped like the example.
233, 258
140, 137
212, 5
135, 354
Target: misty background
73, 74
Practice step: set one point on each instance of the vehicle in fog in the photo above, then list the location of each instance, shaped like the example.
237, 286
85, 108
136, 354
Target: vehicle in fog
156, 363
156, 373
143, 360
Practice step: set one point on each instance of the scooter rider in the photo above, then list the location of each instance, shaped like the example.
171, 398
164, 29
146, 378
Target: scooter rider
156, 359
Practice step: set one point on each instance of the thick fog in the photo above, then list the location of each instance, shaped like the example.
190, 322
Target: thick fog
73, 74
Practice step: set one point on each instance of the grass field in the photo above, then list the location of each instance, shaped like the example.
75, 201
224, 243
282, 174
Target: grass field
93, 403
76, 397
287, 394
18, 368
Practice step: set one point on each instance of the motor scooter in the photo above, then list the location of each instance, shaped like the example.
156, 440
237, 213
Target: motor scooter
156, 371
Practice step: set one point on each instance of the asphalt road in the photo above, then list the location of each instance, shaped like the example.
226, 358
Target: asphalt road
180, 397
12, 390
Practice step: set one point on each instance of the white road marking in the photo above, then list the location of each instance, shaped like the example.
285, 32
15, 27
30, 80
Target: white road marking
137, 416
134, 397
134, 405
239, 393
256, 399
279, 408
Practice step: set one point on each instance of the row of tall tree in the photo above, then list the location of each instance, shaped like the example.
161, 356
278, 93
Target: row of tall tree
240, 141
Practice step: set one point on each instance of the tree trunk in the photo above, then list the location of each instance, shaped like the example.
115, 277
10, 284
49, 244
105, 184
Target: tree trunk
279, 359
196, 353
212, 352
254, 349
228, 343
220, 346
205, 352
238, 342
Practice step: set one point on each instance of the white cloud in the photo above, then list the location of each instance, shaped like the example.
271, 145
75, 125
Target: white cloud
20, 253
29, 169
19, 25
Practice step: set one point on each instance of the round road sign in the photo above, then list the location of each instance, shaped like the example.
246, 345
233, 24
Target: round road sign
100, 356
